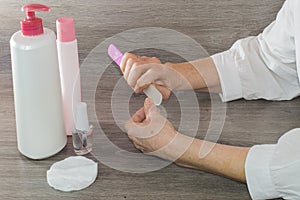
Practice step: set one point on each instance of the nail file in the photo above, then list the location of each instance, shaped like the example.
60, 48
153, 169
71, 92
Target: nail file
151, 91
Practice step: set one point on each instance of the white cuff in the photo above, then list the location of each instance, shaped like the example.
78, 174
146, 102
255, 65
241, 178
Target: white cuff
229, 75
258, 176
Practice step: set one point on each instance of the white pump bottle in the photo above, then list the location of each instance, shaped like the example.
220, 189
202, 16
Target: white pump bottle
37, 90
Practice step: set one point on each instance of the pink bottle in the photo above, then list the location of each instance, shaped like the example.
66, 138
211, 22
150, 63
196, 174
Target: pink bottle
69, 70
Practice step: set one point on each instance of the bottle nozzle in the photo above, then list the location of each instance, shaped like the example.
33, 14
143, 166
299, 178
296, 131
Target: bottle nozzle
32, 25
30, 15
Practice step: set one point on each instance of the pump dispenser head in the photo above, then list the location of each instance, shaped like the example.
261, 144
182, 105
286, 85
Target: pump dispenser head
32, 25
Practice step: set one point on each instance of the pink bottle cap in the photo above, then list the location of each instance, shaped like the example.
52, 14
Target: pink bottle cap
65, 28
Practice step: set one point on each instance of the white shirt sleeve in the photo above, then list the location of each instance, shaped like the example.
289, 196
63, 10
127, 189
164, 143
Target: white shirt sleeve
273, 171
263, 66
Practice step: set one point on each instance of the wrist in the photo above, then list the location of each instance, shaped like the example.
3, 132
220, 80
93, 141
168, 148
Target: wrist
188, 76
190, 157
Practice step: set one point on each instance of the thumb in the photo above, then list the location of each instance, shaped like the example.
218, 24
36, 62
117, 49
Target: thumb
165, 92
149, 108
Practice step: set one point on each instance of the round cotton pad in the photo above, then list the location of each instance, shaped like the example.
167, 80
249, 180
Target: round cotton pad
73, 173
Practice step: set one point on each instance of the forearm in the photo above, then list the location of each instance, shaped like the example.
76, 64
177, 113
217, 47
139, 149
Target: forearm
200, 74
224, 160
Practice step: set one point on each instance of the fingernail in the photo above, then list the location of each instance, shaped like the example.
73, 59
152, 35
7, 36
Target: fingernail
148, 101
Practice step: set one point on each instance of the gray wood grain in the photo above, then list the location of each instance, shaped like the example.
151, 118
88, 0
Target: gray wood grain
215, 24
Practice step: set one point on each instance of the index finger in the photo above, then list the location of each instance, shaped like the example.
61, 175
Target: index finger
124, 60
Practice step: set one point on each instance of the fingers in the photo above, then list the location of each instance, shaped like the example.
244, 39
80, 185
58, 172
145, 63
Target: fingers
139, 147
128, 67
130, 56
165, 92
134, 124
139, 116
125, 58
149, 108
136, 143
150, 76
133, 67
140, 71
136, 72
146, 122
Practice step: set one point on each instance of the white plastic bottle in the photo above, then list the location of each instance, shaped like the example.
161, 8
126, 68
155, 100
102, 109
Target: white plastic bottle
37, 90
69, 70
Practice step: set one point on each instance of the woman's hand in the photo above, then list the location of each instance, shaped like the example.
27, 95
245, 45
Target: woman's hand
141, 71
152, 133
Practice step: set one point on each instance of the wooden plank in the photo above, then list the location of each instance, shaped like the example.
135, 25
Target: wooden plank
213, 24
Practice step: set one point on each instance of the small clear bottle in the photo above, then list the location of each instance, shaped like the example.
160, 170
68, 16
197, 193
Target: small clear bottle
83, 135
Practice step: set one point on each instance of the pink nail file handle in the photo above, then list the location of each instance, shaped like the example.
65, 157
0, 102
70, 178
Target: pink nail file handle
151, 91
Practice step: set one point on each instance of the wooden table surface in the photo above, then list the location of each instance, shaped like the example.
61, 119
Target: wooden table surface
215, 25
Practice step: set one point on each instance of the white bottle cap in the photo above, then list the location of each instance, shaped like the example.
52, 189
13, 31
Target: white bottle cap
82, 122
